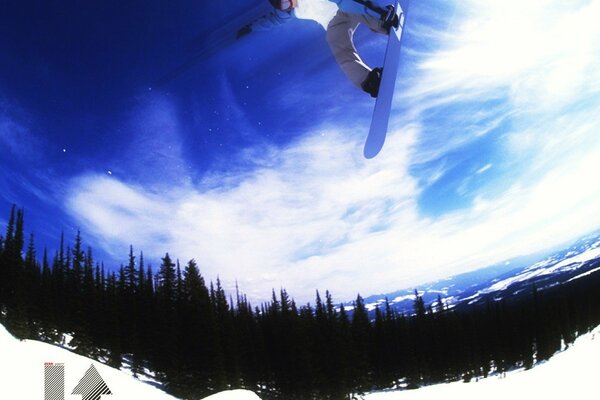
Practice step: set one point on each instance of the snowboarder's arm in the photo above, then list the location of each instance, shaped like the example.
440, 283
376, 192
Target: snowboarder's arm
267, 22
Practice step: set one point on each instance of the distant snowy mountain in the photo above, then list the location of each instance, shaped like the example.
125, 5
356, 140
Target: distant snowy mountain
511, 278
573, 372
23, 367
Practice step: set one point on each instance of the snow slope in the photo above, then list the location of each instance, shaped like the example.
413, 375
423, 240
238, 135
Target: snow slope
22, 374
571, 372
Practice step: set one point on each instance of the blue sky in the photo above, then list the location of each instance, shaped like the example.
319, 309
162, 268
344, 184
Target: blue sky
250, 160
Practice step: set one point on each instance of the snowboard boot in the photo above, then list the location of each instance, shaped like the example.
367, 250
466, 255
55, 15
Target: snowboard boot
390, 19
371, 83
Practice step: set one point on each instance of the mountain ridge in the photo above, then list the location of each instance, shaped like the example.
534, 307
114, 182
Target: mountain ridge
541, 269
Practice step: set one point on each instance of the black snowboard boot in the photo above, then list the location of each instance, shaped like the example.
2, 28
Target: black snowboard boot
390, 19
371, 83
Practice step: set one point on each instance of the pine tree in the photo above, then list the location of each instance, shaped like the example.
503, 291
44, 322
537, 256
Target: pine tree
419, 305
165, 346
115, 358
360, 330
78, 261
58, 288
166, 283
345, 358
440, 306
30, 289
146, 316
14, 290
47, 309
141, 274
196, 331
139, 306
131, 279
221, 336
149, 286
8, 266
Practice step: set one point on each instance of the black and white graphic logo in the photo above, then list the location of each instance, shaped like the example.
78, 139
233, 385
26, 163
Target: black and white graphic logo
91, 386
54, 381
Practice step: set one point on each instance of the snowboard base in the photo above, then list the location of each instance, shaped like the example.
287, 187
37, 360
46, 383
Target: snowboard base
383, 103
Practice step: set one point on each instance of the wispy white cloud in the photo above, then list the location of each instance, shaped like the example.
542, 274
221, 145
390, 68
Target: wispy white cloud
152, 146
16, 137
527, 74
545, 52
316, 215
23, 149
322, 218
316, 196
483, 169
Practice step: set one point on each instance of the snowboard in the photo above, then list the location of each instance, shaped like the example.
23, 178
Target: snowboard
383, 102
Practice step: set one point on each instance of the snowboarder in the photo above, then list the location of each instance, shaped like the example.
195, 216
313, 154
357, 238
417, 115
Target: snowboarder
340, 33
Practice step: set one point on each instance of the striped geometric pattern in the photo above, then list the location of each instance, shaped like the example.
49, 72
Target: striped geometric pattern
91, 386
54, 382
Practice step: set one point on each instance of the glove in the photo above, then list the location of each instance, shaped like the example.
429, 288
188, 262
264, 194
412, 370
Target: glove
390, 19
243, 31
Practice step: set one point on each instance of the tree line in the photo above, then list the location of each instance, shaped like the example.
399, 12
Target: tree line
200, 340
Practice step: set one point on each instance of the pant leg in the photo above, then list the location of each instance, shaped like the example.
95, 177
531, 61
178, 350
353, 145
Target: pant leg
340, 33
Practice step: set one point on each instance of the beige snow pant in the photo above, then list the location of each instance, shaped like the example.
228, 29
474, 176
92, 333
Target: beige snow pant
340, 32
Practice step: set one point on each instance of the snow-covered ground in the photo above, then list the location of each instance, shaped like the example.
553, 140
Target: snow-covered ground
22, 366
573, 371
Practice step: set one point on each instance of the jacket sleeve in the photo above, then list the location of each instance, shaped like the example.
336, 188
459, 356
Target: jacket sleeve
271, 20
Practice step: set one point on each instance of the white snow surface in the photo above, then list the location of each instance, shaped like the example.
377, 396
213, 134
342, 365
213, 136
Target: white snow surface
237, 394
572, 373
22, 374
584, 274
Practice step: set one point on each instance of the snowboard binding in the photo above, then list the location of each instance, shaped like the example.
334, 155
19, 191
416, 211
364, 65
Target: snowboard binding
389, 17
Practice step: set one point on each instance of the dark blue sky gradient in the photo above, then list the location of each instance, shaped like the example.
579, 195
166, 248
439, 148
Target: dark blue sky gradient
148, 123
77, 76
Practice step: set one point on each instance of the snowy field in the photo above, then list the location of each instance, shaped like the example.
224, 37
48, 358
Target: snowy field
574, 371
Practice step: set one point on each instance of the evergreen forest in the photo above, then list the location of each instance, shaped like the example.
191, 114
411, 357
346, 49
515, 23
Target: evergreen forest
199, 339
